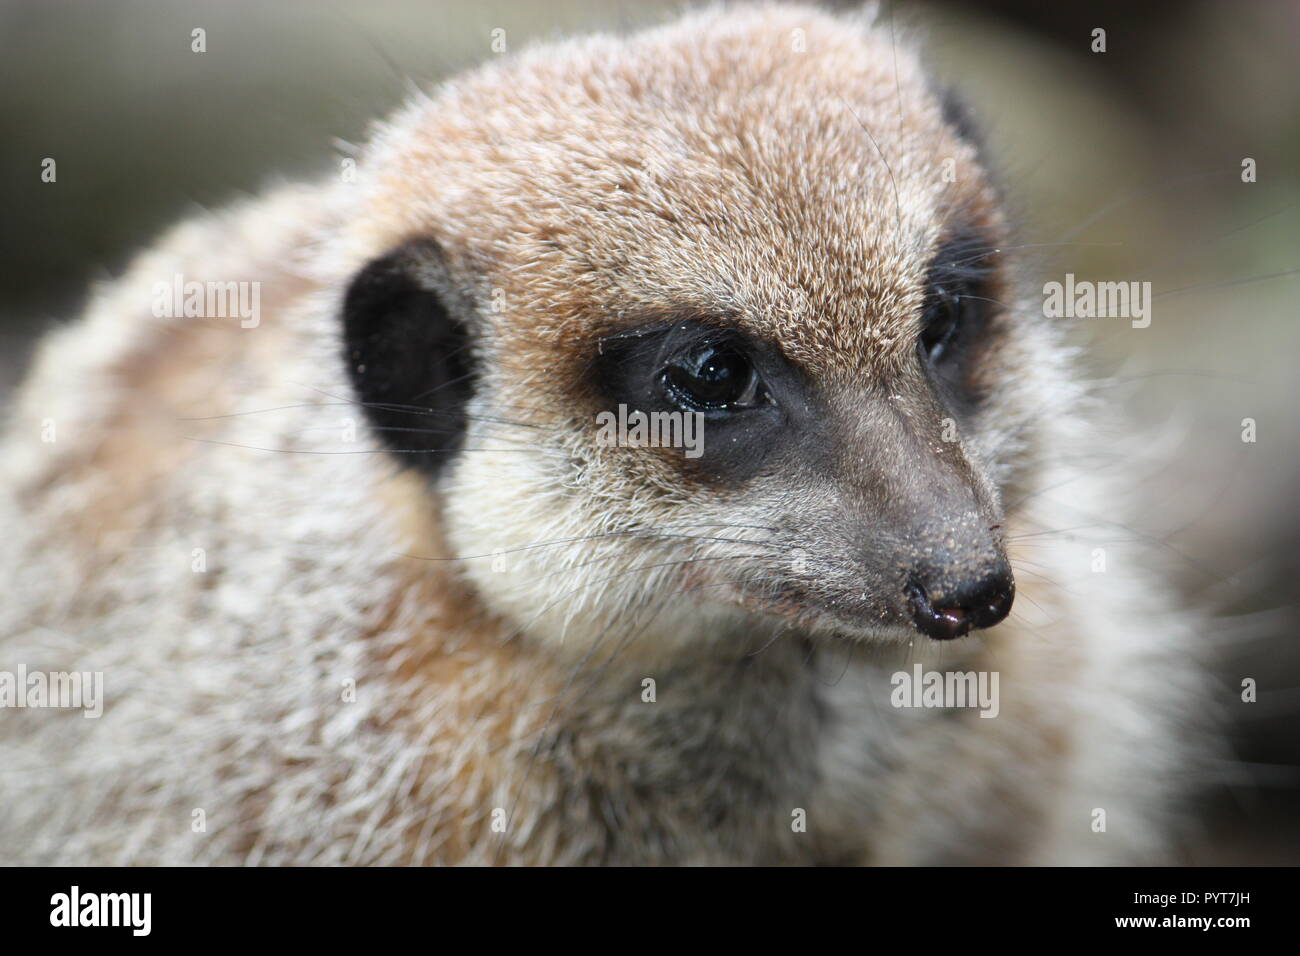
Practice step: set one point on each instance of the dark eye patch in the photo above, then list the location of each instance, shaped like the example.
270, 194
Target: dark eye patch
956, 313
640, 369
633, 362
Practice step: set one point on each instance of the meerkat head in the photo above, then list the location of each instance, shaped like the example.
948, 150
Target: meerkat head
756, 235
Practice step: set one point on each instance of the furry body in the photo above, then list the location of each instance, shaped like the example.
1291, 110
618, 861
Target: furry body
498, 622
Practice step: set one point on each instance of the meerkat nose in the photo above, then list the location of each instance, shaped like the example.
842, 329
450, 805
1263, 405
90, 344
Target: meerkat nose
954, 611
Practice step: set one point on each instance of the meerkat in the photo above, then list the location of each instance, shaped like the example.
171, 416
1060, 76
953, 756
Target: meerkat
366, 586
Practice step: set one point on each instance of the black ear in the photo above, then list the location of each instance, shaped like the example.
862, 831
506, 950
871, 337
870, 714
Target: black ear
408, 354
958, 115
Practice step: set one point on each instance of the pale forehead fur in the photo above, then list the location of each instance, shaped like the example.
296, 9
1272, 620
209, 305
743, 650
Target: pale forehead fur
776, 164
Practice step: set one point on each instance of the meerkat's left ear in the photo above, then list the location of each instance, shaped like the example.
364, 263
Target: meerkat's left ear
408, 353
957, 114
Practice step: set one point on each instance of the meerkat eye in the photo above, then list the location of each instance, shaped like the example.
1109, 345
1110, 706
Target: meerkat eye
714, 377
945, 314
957, 297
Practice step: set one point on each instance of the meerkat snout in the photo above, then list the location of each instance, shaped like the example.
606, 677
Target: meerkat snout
942, 526
927, 512
977, 601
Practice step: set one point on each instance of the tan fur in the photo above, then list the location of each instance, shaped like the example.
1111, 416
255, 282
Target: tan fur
708, 166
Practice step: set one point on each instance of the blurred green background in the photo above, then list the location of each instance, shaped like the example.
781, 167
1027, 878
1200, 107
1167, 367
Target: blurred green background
1131, 157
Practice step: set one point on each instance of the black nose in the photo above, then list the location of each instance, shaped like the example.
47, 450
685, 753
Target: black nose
954, 611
